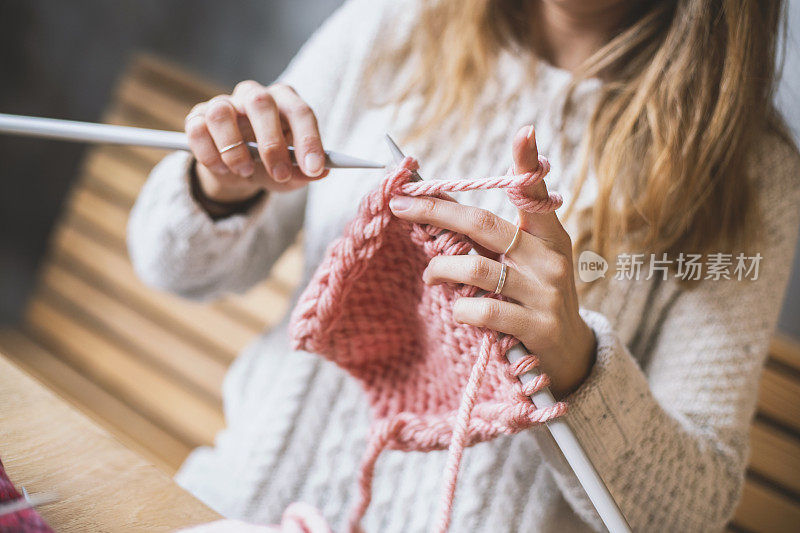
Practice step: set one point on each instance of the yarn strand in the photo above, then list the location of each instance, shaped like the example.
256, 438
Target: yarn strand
458, 441
376, 444
515, 185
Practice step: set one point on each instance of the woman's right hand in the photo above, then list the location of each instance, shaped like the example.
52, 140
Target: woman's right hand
273, 117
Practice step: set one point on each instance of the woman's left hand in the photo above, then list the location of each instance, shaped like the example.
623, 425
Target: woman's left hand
543, 311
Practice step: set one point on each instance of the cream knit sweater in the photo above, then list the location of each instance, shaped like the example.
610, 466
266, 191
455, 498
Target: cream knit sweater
664, 414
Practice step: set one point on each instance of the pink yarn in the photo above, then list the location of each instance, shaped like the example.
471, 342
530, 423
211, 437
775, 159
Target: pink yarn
368, 310
303, 517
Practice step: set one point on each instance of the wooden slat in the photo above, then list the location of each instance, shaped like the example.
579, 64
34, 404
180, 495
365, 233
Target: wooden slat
150, 100
135, 431
779, 398
764, 510
785, 350
775, 455
162, 347
192, 419
203, 324
100, 214
143, 157
112, 174
173, 77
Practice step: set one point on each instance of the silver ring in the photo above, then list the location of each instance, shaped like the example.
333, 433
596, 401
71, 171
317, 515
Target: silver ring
230, 147
502, 281
514, 240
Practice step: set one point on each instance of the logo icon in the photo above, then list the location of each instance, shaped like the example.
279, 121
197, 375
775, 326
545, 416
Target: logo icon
591, 266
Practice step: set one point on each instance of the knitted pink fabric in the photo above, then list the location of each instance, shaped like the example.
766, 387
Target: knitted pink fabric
431, 382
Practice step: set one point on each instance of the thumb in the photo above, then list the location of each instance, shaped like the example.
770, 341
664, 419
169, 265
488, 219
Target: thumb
526, 159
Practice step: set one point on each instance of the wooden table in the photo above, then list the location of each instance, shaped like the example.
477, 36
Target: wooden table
47, 445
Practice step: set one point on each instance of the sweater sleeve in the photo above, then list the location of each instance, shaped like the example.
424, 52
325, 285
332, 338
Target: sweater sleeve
174, 245
671, 441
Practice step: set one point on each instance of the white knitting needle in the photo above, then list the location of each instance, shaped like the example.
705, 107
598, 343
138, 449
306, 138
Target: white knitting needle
565, 438
27, 501
574, 453
70, 130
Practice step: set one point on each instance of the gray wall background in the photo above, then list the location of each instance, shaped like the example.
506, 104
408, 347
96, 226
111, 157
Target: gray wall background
61, 59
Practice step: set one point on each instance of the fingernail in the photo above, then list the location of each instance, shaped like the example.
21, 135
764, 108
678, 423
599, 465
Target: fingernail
400, 203
314, 164
220, 170
246, 170
425, 275
281, 172
529, 135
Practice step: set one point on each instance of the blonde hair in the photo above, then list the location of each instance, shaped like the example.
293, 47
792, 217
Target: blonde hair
688, 87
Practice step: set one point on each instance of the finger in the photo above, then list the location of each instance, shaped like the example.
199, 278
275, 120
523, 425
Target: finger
262, 112
482, 250
480, 272
305, 131
481, 226
221, 121
526, 159
505, 317
197, 110
532, 328
201, 143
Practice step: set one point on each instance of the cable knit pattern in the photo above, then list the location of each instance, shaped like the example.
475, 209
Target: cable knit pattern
664, 413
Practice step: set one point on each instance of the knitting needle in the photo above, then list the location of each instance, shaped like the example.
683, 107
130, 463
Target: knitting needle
573, 451
565, 438
27, 501
70, 130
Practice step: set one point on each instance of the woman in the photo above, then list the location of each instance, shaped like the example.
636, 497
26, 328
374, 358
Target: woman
658, 122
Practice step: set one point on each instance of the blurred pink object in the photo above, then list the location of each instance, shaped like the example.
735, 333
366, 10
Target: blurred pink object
25, 520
